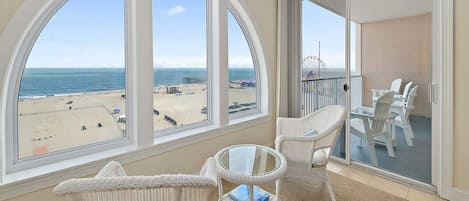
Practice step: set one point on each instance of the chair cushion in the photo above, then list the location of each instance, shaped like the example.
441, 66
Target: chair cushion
320, 157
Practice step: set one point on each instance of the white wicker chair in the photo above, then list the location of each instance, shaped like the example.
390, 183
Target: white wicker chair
403, 108
309, 155
113, 184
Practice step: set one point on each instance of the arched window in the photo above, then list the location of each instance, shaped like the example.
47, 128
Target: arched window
242, 70
83, 80
72, 90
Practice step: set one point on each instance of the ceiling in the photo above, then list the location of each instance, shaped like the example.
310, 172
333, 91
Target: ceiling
364, 11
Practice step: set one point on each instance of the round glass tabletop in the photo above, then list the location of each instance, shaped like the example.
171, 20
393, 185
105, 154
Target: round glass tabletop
250, 160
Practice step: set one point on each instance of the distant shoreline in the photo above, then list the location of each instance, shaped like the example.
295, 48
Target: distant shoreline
99, 92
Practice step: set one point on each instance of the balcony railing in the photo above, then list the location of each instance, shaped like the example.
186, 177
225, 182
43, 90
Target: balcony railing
328, 91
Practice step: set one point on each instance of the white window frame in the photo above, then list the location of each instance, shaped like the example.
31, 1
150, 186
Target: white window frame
252, 52
19, 37
242, 17
133, 59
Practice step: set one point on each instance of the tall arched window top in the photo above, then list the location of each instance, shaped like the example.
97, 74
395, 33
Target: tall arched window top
243, 77
243, 16
72, 85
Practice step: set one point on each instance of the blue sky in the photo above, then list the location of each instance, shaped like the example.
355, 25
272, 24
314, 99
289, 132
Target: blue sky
90, 33
323, 25
82, 35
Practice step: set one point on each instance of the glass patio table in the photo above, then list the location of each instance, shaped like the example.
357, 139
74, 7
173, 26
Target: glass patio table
249, 165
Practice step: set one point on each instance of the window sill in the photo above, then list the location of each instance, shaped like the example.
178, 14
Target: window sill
25, 181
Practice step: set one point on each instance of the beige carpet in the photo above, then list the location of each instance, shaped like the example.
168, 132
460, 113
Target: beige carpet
345, 189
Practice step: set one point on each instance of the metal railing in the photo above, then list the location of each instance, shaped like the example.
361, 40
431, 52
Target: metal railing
322, 92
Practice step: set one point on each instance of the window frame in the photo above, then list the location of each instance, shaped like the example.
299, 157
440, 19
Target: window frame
238, 19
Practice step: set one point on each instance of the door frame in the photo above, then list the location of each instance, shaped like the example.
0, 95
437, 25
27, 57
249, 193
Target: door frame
441, 92
442, 97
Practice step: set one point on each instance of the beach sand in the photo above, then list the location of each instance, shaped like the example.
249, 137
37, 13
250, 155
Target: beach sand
48, 124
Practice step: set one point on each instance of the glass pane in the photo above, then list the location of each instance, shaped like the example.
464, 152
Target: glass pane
249, 160
242, 74
395, 56
180, 72
323, 67
72, 92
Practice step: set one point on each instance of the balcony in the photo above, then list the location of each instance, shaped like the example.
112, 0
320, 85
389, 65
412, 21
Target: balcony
413, 162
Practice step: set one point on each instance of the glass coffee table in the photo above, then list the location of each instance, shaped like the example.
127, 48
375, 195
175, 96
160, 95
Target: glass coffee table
249, 165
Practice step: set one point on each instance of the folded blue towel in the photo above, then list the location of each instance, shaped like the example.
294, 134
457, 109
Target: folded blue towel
241, 193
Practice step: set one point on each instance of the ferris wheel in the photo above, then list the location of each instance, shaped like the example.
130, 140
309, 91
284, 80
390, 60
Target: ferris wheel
313, 62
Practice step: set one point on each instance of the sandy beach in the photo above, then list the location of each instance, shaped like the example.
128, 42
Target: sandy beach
55, 123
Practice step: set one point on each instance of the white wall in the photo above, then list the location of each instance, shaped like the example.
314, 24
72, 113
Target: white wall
399, 48
190, 158
8, 8
461, 96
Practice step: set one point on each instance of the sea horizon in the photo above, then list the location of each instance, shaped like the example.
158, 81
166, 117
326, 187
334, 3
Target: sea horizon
54, 81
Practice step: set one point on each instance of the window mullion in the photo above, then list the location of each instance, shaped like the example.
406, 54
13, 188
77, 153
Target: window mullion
219, 59
139, 60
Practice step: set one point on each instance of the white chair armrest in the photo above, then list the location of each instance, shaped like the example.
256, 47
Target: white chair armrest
131, 182
112, 169
380, 90
209, 169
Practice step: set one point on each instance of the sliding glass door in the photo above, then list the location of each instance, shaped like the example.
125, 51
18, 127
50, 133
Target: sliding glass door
391, 108
324, 69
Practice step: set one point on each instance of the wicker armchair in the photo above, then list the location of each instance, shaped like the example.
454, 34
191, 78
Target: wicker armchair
113, 184
308, 155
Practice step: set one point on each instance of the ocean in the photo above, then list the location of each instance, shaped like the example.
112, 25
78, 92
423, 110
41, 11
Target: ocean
39, 82
325, 73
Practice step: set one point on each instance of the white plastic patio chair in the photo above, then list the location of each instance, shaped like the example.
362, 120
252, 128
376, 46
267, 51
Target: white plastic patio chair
396, 85
113, 184
405, 93
403, 108
308, 155
399, 97
375, 127
395, 88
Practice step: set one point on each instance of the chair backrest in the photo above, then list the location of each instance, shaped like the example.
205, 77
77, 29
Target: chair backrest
299, 150
396, 85
328, 122
112, 184
407, 89
381, 113
411, 97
